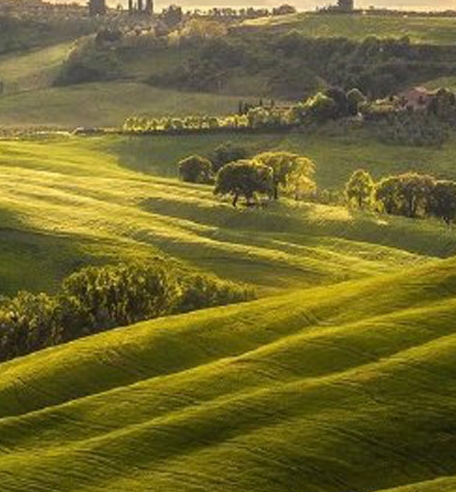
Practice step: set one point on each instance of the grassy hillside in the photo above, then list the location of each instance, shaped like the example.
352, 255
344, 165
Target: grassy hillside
294, 392
70, 201
429, 30
104, 104
33, 69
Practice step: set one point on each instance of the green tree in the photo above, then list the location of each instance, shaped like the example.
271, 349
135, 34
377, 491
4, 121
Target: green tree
408, 194
360, 189
244, 178
444, 201
415, 191
195, 169
291, 172
388, 196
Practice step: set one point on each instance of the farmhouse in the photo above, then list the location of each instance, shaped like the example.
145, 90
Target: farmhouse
416, 98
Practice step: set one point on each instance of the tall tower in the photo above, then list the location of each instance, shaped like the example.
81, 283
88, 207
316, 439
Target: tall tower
97, 7
346, 5
149, 7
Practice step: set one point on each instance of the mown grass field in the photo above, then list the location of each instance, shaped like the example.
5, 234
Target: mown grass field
420, 29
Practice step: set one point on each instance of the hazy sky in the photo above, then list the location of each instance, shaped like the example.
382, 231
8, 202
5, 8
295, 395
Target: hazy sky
305, 4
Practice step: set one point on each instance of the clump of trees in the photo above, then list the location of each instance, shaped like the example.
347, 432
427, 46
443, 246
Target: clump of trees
100, 298
291, 173
410, 195
265, 174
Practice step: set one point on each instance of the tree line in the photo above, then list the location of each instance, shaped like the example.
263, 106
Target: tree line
410, 195
96, 299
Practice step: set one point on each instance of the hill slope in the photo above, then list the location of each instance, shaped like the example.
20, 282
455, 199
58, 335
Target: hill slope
420, 29
293, 392
70, 201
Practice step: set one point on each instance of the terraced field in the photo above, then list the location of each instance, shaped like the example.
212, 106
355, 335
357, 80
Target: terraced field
339, 378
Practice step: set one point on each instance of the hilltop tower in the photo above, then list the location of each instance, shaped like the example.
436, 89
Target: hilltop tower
97, 7
346, 5
141, 7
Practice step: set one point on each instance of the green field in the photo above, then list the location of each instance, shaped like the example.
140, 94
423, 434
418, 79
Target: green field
420, 29
78, 199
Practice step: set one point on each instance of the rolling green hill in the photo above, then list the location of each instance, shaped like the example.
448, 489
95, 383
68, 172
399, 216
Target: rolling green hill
339, 378
295, 392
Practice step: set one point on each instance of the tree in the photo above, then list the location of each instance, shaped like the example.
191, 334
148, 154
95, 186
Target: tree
290, 171
340, 99
387, 194
244, 178
444, 201
172, 16
226, 153
415, 191
195, 169
360, 189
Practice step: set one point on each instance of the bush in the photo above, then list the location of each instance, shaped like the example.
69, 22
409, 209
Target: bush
196, 169
100, 298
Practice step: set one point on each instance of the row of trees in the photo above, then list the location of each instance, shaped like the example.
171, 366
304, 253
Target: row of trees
330, 104
99, 298
410, 194
266, 174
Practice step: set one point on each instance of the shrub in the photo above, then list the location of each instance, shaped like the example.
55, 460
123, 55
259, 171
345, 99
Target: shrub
196, 169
